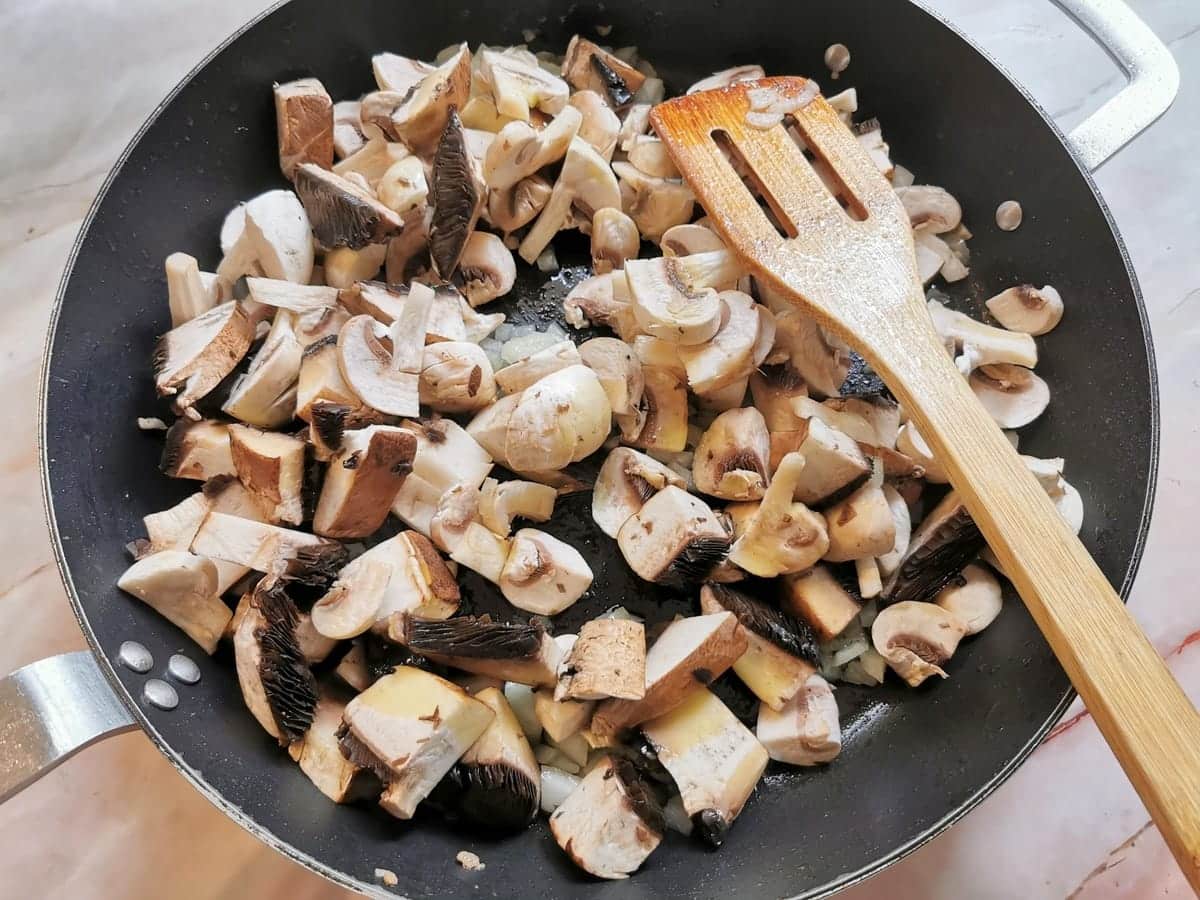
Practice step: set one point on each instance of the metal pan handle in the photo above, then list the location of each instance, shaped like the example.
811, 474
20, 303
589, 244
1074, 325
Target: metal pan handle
1147, 63
50, 710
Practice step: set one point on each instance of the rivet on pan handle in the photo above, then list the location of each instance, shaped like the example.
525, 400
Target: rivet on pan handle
50, 710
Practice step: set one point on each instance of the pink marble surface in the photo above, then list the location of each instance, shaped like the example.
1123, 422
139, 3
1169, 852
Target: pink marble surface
1065, 825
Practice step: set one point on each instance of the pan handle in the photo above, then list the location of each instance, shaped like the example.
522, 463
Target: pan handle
51, 709
1147, 63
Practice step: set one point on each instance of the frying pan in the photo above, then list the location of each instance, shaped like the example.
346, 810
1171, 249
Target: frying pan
913, 761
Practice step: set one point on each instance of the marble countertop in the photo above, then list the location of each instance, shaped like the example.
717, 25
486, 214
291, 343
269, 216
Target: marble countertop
117, 819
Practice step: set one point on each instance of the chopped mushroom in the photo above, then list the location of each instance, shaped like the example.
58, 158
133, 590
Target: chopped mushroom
822, 360
619, 371
782, 651
271, 467
673, 539
594, 300
861, 525
834, 467
522, 653
297, 298
818, 598
975, 599
456, 376
774, 387
190, 292
560, 419
276, 239
410, 727
319, 754
487, 269
398, 73
403, 188
1012, 395
533, 368
805, 731
655, 204
615, 239
902, 520
344, 267
916, 639
608, 660
457, 200
303, 557
386, 381
610, 822
191, 360
981, 344
713, 758
665, 424
600, 126
946, 540
1027, 309
519, 86
519, 205
727, 357
626, 480
304, 118
501, 502
588, 67
266, 395
342, 213
586, 182
781, 535
198, 450
362, 480
182, 588
542, 574
930, 208
320, 379
911, 444
674, 297
425, 109
689, 654
732, 455
447, 454
519, 150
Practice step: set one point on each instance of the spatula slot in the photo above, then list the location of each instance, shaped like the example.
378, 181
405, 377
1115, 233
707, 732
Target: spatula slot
770, 206
833, 182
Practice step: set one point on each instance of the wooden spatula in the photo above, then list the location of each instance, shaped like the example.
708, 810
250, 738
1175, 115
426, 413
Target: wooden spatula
854, 270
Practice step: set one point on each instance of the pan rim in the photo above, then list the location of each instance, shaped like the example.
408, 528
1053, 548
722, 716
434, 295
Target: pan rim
281, 845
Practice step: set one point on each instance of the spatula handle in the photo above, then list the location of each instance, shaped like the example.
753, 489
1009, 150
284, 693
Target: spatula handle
1148, 721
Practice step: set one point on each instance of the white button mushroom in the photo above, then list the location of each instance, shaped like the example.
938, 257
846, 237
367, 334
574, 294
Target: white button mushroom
1013, 395
975, 598
1028, 309
916, 638
542, 574
806, 731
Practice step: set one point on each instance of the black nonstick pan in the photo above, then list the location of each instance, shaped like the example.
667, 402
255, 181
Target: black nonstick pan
913, 761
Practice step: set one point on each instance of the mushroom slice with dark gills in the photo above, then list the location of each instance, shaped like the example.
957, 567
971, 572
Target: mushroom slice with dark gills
673, 539
362, 481
945, 541
321, 379
625, 482
487, 269
331, 421
274, 676
713, 758
611, 822
181, 587
780, 536
805, 731
525, 654
615, 239
409, 728
781, 652
456, 198
675, 297
284, 552
198, 450
519, 84
319, 753
861, 525
342, 213
732, 455
600, 300
690, 653
916, 638
191, 360
497, 785
587, 67
727, 358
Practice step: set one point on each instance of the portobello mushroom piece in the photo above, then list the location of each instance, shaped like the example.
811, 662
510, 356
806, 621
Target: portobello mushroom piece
595, 301
342, 213
190, 292
182, 588
514, 378
319, 753
191, 360
732, 455
946, 541
862, 524
497, 785
522, 653
690, 653
727, 358
456, 377
277, 685
615, 239
457, 198
610, 822
608, 660
559, 419
781, 652
410, 727
916, 638
805, 731
487, 269
501, 502
974, 598
198, 450
304, 120
1012, 395
820, 599
626, 480
447, 454
665, 424
675, 297
519, 85
979, 344
1027, 309
519, 151
656, 205
270, 466
321, 381
587, 67
586, 183
774, 387
542, 574
713, 758
294, 555
674, 539
600, 127
422, 115
780, 536
362, 481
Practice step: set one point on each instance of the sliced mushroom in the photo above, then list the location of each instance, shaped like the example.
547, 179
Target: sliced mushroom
673, 539
277, 236
975, 599
344, 267
870, 137
271, 467
822, 360
480, 550
520, 653
266, 395
560, 419
398, 73
911, 444
593, 300
684, 240
586, 183
319, 754
362, 481
501, 502
1013, 396
331, 421
190, 292
457, 199
519, 86
304, 119
626, 480
981, 344
1027, 309
655, 204
486, 268
610, 822
198, 450
805, 731
447, 454
608, 660
930, 208
519, 205
533, 368
835, 466
421, 116
373, 160
727, 77
542, 574
352, 604
916, 639
277, 685
456, 376
902, 520
297, 298
457, 509
819, 599
587, 67
320, 379
690, 653
497, 785
403, 188
410, 727
191, 360
861, 525
519, 150
386, 381
348, 137
615, 239
946, 541
727, 358
182, 588
674, 298
302, 557
665, 424
731, 458
342, 213
600, 126
636, 121
713, 758
781, 536
619, 371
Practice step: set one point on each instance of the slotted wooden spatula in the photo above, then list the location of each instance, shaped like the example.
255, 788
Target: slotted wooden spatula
854, 271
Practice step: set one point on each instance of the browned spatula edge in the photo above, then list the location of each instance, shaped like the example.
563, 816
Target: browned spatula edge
859, 279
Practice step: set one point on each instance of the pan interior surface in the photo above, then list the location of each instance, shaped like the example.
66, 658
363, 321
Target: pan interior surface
913, 760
